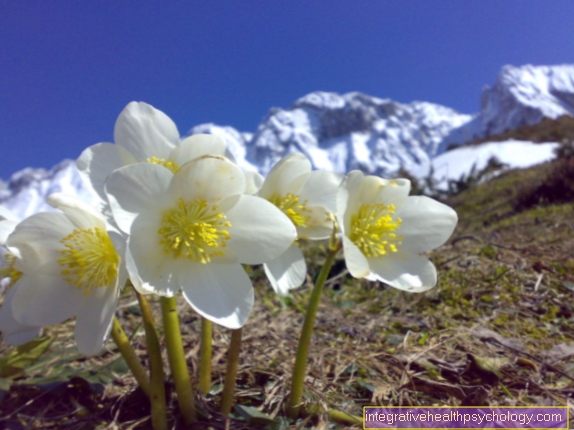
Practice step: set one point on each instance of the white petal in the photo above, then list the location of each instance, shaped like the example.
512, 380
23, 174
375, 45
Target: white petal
259, 231
342, 205
6, 228
139, 285
98, 161
211, 178
120, 244
44, 300
133, 273
280, 178
321, 189
156, 269
253, 182
426, 224
221, 293
38, 237
394, 192
14, 332
287, 271
355, 260
43, 226
368, 191
94, 319
196, 146
408, 272
80, 213
135, 189
145, 132
355, 190
21, 337
319, 225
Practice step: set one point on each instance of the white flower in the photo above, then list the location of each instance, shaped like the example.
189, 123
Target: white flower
68, 264
143, 134
384, 231
307, 198
191, 231
13, 332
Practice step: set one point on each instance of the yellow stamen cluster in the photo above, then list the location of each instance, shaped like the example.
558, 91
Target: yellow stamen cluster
194, 230
373, 230
10, 271
290, 206
171, 165
89, 260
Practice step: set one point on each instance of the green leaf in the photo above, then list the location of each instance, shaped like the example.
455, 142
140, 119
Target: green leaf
424, 338
23, 356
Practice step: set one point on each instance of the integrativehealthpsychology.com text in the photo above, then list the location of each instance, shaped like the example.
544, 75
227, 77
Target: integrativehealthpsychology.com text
551, 417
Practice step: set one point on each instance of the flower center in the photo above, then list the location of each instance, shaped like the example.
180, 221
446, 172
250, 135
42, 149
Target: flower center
171, 165
194, 230
89, 260
373, 230
10, 271
290, 206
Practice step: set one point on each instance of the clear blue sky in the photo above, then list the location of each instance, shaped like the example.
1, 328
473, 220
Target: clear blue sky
67, 68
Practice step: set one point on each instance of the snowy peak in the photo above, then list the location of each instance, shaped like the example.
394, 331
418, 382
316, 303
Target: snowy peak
521, 96
354, 131
26, 191
525, 95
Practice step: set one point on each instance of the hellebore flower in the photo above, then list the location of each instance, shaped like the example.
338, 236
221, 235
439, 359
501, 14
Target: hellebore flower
192, 230
307, 197
384, 231
66, 264
143, 134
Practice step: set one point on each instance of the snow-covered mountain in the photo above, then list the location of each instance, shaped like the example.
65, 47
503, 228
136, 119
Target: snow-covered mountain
26, 191
521, 96
345, 132
353, 131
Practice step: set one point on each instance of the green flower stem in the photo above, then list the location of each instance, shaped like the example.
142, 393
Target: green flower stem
205, 355
343, 417
231, 372
158, 407
294, 404
130, 356
177, 362
335, 415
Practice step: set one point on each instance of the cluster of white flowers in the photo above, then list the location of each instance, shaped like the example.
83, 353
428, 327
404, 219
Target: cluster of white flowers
180, 215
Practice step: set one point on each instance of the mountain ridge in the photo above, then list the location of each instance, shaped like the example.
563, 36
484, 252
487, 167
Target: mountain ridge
351, 131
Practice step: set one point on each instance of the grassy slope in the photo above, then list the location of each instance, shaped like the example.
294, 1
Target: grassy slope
494, 331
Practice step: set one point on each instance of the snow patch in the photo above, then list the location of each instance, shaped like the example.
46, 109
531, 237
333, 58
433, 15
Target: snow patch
455, 164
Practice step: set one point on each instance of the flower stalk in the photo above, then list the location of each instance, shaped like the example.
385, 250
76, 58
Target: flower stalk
231, 371
177, 362
158, 405
129, 355
205, 355
294, 404
335, 415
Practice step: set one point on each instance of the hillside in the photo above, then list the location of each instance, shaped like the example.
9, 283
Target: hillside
497, 329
